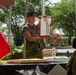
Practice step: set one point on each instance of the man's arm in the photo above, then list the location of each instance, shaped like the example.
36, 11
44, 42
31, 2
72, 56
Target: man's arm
30, 38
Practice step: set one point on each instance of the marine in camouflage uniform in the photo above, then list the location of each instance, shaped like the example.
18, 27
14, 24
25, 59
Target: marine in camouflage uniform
71, 65
33, 48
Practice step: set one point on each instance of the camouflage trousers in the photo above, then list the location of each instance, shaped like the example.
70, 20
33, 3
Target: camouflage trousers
34, 54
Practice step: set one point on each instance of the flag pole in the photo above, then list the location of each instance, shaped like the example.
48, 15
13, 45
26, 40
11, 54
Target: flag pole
24, 55
9, 24
43, 7
75, 17
75, 11
43, 13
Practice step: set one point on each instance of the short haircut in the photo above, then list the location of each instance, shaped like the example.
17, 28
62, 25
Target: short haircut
28, 14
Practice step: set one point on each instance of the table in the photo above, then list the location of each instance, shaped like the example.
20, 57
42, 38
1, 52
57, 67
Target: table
60, 52
12, 69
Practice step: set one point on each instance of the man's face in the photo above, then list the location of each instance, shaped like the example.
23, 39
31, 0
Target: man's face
31, 19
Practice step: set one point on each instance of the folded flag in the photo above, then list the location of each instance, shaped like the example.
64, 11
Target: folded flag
4, 47
7, 2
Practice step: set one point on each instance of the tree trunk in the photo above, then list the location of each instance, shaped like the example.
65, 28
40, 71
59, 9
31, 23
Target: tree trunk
69, 39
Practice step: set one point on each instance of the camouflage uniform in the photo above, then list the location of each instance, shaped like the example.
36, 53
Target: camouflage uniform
71, 66
33, 49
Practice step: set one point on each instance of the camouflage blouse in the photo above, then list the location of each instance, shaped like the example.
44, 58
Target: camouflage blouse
33, 49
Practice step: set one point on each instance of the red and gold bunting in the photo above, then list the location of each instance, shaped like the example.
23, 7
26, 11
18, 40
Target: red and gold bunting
5, 3
1, 6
